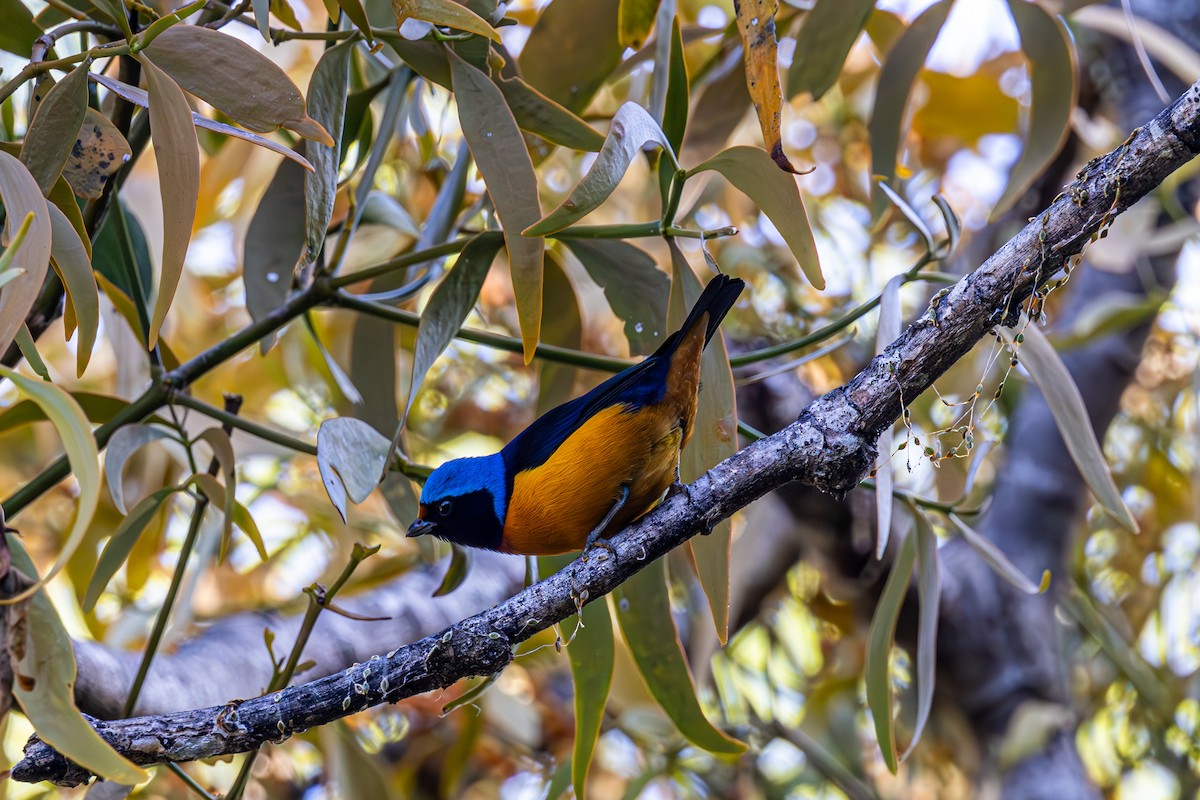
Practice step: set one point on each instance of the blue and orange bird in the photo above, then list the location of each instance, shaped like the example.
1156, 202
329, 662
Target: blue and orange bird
589, 467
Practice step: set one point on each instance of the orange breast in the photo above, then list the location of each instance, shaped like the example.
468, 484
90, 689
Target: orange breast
556, 505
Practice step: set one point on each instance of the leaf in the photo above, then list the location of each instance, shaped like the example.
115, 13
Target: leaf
274, 242
63, 198
1051, 63
631, 130
121, 446
1070, 416
427, 59
351, 457
449, 305
20, 195
19, 31
457, 571
232, 76
52, 133
503, 160
951, 220
929, 588
120, 544
909, 214
222, 448
446, 13
340, 378
246, 524
636, 290
885, 334
753, 173
675, 109
756, 23
29, 350
98, 408
358, 15
718, 111
644, 612
538, 114
896, 78
84, 458
177, 153
327, 102
562, 326
714, 439
43, 662
829, 30
70, 257
138, 97
635, 18
351, 770
999, 562
592, 654
262, 18
880, 638
587, 30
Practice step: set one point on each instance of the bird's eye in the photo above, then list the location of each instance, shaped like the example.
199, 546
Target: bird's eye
444, 508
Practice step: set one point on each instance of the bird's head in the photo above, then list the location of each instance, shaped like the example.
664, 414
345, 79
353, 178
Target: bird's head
464, 501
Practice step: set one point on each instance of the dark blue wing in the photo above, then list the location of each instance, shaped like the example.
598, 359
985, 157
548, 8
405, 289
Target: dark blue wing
639, 385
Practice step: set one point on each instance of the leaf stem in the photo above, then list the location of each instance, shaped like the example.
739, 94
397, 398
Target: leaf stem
245, 425
401, 262
189, 781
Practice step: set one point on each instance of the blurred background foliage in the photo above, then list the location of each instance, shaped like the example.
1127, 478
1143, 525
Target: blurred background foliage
790, 681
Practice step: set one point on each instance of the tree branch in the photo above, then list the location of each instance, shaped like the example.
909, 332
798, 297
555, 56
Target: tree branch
831, 446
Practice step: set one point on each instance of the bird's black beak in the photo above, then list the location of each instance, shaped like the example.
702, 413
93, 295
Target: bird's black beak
420, 527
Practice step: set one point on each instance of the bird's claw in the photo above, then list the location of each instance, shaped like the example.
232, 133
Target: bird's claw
598, 544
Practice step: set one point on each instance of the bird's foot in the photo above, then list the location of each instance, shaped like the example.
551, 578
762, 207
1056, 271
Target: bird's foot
599, 544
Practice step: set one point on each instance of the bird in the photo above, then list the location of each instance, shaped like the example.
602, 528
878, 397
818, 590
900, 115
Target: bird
589, 467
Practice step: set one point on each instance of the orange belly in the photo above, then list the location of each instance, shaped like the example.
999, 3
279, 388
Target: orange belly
555, 505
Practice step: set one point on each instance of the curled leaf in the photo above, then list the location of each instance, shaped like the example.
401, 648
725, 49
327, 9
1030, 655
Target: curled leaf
350, 457
446, 13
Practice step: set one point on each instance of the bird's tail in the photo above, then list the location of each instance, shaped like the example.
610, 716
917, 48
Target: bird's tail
717, 298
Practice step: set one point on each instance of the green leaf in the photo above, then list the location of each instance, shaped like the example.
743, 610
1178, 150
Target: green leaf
235, 78
562, 326
887, 331
246, 524
327, 103
274, 243
427, 59
177, 153
675, 109
538, 114
20, 195
19, 31
71, 261
635, 18
896, 77
909, 213
774, 191
120, 544
29, 350
999, 562
121, 263
350, 456
1070, 415
351, 769
99, 408
951, 220
445, 13
592, 654
1051, 59
644, 613
587, 30
72, 426
63, 198
43, 664
222, 448
449, 305
138, 97
457, 571
358, 15
345, 386
929, 588
121, 446
631, 130
880, 638
54, 128
828, 32
636, 290
714, 439
500, 153
718, 111
262, 18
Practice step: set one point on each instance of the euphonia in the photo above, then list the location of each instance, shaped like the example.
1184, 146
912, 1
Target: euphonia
589, 467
